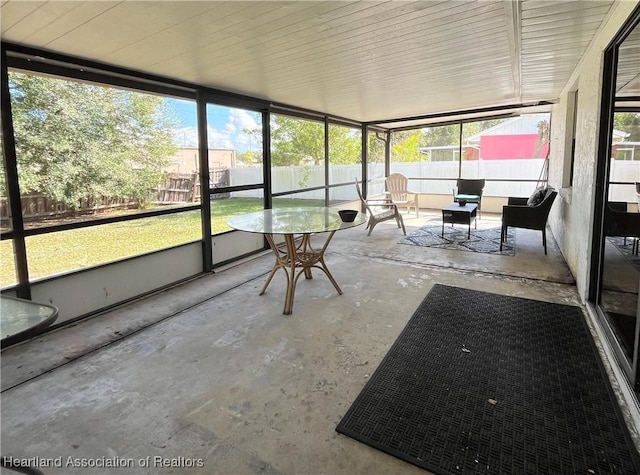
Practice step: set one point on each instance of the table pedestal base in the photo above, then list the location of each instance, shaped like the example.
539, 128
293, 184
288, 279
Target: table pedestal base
295, 261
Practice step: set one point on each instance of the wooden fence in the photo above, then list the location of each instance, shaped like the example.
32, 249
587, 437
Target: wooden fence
185, 188
176, 189
39, 207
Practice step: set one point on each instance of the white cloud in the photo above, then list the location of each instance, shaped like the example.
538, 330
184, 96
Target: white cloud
243, 119
186, 137
220, 139
231, 135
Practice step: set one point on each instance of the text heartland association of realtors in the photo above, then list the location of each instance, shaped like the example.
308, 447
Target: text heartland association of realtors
102, 462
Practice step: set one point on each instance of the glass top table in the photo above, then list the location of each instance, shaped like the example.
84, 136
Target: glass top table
294, 258
293, 221
21, 319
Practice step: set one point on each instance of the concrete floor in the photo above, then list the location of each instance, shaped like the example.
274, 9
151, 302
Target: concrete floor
210, 373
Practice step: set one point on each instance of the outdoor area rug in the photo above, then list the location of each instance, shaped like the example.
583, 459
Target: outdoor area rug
626, 250
485, 383
484, 239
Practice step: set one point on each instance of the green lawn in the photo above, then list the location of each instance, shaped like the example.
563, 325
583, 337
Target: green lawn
64, 251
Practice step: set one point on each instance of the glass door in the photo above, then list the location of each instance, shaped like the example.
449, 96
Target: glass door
617, 258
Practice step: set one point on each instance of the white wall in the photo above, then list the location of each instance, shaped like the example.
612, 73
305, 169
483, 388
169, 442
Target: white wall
571, 218
227, 246
84, 292
81, 293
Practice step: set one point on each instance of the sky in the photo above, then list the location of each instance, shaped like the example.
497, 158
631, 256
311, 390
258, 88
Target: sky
226, 126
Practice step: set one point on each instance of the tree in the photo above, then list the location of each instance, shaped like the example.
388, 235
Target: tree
301, 142
440, 136
377, 147
251, 157
469, 129
79, 141
628, 122
406, 146
296, 141
345, 145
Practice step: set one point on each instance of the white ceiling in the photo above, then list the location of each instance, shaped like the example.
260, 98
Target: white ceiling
364, 60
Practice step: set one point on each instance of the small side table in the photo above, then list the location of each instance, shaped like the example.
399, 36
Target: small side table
456, 214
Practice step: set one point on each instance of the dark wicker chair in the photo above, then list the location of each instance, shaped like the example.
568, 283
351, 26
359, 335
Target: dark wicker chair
470, 191
517, 214
619, 222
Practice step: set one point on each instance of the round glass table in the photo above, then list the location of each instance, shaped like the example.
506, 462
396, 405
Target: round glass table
295, 258
21, 319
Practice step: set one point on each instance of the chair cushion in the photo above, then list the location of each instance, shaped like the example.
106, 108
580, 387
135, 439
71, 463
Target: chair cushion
468, 198
537, 196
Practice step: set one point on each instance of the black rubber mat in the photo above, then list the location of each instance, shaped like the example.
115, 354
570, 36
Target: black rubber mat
485, 383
